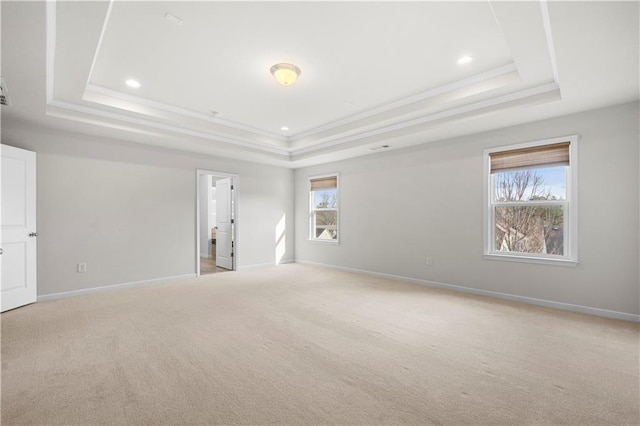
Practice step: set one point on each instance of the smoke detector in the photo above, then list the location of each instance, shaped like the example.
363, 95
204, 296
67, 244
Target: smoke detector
4, 94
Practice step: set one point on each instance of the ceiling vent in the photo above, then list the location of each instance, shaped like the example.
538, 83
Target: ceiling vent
4, 94
173, 18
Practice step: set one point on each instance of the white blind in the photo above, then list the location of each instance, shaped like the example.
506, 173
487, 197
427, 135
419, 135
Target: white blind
556, 154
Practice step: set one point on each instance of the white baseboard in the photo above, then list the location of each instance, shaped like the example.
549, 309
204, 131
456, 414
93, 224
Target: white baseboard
65, 294
529, 300
207, 255
263, 265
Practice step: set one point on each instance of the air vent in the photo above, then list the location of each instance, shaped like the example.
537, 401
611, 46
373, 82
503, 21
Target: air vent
4, 94
173, 18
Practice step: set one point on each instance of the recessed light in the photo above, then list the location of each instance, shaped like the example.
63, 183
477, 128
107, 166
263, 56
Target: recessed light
133, 83
284, 128
465, 60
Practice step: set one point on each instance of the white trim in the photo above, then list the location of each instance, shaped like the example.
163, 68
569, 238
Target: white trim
549, 141
235, 181
546, 24
264, 265
329, 242
477, 78
517, 257
99, 46
183, 111
499, 102
105, 288
206, 255
505, 296
166, 127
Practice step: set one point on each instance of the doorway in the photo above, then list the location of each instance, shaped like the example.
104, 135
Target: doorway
216, 222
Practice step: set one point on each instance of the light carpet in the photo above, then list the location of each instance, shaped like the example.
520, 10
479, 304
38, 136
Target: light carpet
299, 344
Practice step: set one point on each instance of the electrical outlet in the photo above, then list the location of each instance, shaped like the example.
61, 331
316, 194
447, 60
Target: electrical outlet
429, 261
82, 267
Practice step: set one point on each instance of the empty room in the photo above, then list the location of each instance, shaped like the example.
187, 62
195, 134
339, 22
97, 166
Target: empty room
324, 212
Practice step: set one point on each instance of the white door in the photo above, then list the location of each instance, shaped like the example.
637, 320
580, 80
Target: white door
18, 259
224, 222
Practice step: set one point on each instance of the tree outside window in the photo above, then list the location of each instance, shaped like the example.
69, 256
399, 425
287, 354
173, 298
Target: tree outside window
323, 210
534, 227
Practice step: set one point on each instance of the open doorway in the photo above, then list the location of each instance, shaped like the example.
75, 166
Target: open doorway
215, 222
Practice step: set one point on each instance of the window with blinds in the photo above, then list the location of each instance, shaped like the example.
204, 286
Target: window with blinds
526, 158
530, 193
323, 208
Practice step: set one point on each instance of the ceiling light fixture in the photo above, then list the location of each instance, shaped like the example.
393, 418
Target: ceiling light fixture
285, 74
465, 60
284, 128
133, 83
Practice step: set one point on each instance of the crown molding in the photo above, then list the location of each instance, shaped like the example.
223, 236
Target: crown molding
69, 106
431, 93
536, 94
93, 88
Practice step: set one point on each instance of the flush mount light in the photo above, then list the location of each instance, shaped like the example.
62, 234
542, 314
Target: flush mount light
284, 128
132, 83
285, 74
465, 60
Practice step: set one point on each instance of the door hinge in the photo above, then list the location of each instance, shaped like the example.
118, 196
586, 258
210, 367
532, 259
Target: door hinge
231, 254
233, 221
232, 187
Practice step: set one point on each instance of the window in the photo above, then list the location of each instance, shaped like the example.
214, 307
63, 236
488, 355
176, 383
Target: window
531, 205
323, 208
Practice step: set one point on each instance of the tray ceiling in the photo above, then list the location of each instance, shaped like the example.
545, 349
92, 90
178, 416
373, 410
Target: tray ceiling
372, 73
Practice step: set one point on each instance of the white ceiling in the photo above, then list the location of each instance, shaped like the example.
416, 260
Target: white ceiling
373, 73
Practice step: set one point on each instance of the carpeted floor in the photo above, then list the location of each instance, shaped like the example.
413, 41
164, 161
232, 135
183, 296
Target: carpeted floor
298, 344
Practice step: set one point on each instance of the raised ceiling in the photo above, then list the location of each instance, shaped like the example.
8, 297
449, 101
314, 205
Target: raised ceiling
373, 73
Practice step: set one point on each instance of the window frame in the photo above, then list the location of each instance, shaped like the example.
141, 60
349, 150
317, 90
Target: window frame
313, 210
570, 205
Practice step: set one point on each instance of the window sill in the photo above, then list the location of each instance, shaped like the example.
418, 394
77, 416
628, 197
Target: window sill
329, 242
529, 259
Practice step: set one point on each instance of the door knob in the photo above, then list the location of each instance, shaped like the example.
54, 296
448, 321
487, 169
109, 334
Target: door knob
33, 234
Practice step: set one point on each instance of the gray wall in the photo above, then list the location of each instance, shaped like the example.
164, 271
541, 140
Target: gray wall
399, 207
129, 211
